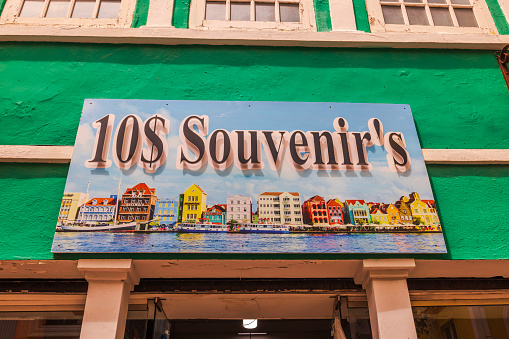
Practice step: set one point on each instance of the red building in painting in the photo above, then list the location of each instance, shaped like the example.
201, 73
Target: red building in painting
138, 203
335, 209
314, 211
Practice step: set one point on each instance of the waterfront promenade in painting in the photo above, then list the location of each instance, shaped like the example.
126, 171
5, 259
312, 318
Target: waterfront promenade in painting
76, 242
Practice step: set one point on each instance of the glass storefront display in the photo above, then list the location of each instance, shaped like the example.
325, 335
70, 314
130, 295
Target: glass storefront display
153, 324
462, 322
40, 325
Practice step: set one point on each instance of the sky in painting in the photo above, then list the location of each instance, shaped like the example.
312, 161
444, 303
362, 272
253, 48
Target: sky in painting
379, 184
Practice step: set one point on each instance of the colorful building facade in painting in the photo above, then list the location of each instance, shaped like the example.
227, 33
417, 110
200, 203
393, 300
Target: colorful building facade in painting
69, 207
166, 211
335, 210
194, 203
358, 211
392, 213
137, 204
315, 211
215, 215
239, 208
405, 212
422, 212
98, 209
379, 215
280, 207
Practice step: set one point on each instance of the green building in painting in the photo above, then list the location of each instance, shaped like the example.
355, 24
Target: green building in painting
437, 56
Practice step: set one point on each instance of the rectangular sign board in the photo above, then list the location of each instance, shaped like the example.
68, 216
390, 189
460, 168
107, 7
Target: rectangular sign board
247, 177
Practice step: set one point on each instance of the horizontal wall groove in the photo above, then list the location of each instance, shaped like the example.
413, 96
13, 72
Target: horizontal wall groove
62, 154
172, 36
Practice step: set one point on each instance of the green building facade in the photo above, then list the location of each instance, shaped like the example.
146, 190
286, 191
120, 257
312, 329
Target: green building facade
448, 74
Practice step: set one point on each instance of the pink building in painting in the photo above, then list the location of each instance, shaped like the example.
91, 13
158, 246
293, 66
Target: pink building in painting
239, 208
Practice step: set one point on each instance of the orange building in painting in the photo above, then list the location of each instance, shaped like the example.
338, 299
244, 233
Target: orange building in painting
393, 213
314, 211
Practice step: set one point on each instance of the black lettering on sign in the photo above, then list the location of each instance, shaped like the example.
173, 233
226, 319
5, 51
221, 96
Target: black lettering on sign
104, 128
193, 141
155, 156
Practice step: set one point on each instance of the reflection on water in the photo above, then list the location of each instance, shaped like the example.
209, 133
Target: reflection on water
66, 242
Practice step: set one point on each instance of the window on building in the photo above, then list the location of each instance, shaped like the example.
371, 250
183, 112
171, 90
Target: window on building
434, 16
275, 14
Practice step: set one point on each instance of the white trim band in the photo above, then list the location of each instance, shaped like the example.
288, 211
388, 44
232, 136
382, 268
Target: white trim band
172, 36
42, 154
466, 156
63, 154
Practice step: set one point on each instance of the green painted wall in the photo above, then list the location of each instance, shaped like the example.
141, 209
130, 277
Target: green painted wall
2, 4
181, 13
322, 15
459, 100
361, 15
498, 16
140, 13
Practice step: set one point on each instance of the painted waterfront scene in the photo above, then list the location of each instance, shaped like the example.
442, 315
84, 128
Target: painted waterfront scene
247, 177
249, 243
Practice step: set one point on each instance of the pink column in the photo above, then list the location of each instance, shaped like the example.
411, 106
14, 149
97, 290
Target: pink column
110, 283
390, 311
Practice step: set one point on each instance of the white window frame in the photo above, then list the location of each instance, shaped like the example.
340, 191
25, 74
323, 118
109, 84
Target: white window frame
480, 8
12, 10
306, 9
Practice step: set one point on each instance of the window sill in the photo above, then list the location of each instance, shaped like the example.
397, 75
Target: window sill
172, 36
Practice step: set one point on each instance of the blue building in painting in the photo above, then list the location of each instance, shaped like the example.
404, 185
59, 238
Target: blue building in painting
216, 214
358, 211
166, 211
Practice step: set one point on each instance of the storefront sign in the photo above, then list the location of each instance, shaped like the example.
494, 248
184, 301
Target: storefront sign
247, 177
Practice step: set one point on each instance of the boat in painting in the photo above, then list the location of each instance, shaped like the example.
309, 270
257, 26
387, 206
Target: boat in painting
201, 228
98, 227
263, 228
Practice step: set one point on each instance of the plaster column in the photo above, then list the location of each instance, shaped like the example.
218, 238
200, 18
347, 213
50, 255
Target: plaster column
390, 312
342, 15
110, 283
160, 13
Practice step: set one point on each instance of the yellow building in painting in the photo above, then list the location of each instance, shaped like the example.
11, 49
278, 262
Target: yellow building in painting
378, 216
194, 203
421, 210
393, 213
70, 205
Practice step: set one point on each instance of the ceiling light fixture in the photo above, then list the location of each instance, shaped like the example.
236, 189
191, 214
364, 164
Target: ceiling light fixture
249, 323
